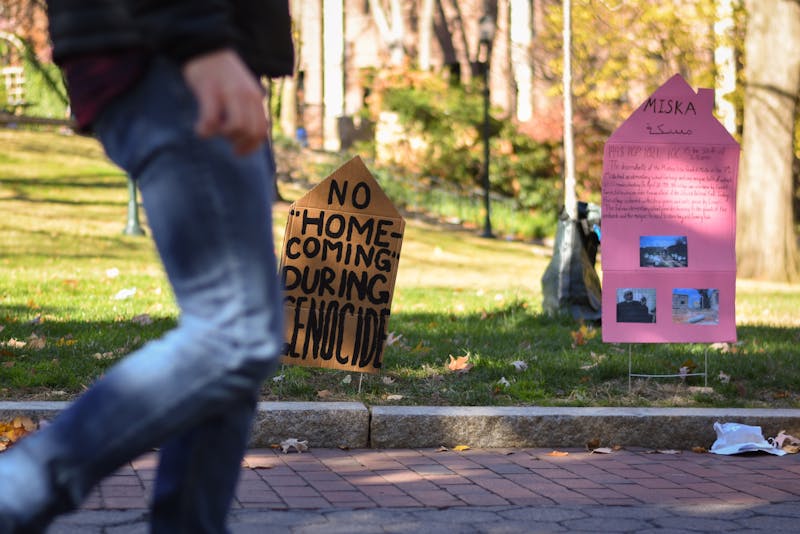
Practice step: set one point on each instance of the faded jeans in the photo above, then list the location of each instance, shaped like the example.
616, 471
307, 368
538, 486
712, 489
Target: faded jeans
192, 393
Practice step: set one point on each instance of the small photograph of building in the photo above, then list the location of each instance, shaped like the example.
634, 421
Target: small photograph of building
663, 251
695, 306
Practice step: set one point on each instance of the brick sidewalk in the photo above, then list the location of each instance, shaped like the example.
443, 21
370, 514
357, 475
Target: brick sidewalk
401, 478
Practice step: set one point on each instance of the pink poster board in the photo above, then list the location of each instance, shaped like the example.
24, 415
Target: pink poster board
669, 222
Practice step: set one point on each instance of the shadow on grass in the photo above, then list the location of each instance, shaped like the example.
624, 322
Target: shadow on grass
44, 359
517, 357
520, 357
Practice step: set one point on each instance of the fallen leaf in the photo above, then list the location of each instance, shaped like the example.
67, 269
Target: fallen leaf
421, 348
15, 343
460, 364
324, 394
699, 450
258, 462
557, 453
71, 283
593, 444
36, 343
582, 335
392, 338
66, 341
347, 379
519, 365
662, 451
142, 319
124, 294
15, 429
459, 448
442, 448
394, 397
294, 443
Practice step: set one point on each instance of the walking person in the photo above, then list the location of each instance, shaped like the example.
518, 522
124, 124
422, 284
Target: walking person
171, 90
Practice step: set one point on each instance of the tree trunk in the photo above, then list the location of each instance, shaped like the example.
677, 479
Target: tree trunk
391, 32
725, 61
521, 36
570, 199
766, 245
425, 33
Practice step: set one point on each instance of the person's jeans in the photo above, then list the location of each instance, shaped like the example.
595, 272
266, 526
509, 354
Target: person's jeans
194, 391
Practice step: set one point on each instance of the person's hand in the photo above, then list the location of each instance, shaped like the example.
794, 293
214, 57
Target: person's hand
229, 99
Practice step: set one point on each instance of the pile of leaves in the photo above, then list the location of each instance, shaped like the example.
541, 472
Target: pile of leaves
14, 430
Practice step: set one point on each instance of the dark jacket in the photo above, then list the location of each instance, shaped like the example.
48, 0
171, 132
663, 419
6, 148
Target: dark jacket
260, 30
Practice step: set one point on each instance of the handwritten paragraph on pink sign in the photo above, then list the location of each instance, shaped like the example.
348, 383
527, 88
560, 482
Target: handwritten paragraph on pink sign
679, 183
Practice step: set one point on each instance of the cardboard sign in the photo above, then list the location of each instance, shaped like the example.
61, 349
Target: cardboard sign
339, 264
669, 222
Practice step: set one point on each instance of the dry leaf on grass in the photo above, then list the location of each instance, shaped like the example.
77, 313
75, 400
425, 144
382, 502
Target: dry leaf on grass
582, 335
519, 365
393, 338
36, 343
460, 364
143, 319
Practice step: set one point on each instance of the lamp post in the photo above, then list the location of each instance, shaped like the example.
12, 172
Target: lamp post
132, 227
486, 28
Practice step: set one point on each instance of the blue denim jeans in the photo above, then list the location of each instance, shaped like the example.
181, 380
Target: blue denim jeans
192, 393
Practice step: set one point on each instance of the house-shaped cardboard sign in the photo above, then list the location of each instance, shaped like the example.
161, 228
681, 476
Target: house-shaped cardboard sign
669, 222
338, 268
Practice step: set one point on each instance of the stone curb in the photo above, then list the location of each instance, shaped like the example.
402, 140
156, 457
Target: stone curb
354, 425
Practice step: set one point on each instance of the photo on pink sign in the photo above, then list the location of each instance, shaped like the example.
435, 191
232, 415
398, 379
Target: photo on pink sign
668, 251
636, 305
695, 306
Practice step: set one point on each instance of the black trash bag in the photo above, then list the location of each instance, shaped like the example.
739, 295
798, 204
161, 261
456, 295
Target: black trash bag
570, 282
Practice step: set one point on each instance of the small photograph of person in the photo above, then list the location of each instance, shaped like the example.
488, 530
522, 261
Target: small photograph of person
695, 306
636, 305
663, 251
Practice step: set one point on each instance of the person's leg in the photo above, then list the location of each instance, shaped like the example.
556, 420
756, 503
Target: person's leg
197, 475
209, 213
198, 470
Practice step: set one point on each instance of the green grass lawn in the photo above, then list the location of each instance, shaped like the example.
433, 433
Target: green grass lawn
65, 263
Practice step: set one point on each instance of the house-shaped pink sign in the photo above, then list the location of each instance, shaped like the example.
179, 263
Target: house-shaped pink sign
669, 222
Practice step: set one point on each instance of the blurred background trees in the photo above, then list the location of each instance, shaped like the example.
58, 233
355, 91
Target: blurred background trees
400, 81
